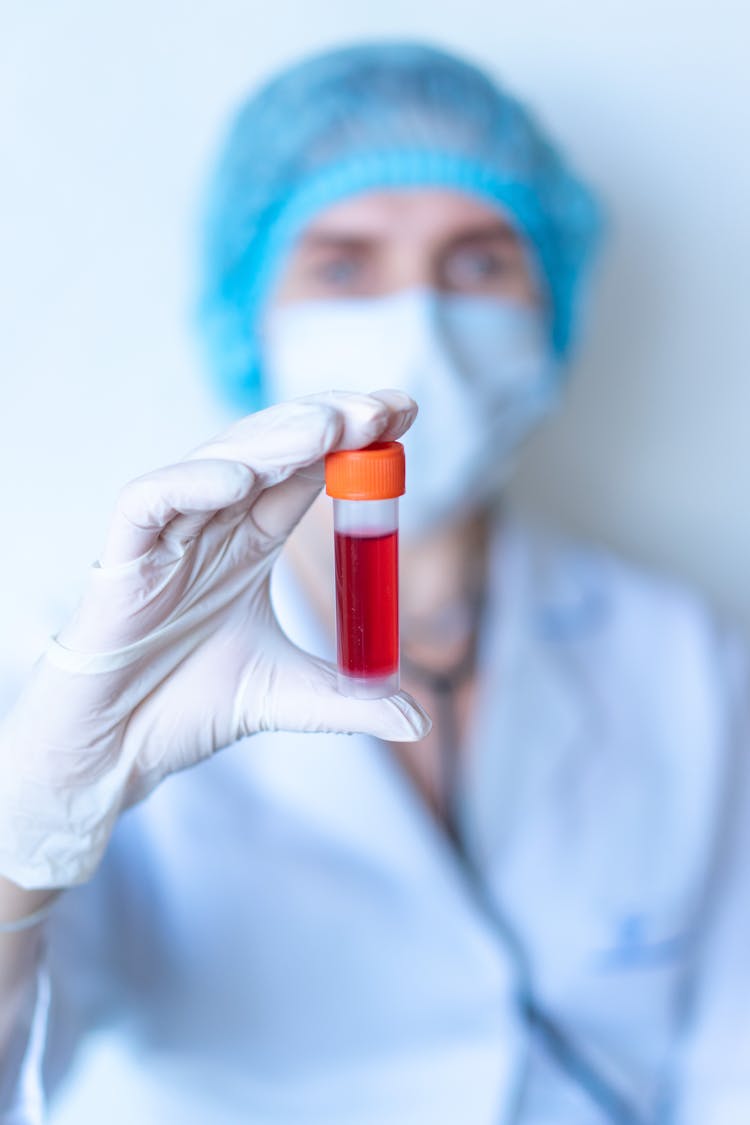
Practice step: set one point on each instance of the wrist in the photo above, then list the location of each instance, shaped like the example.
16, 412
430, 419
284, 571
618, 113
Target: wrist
21, 908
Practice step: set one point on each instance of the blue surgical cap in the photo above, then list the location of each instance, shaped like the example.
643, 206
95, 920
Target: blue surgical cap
362, 118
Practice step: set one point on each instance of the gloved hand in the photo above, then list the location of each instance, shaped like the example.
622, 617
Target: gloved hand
174, 651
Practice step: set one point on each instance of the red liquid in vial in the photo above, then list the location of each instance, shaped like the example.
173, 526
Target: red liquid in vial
367, 603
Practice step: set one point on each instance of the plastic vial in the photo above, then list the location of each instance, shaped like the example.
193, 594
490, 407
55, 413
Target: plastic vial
365, 485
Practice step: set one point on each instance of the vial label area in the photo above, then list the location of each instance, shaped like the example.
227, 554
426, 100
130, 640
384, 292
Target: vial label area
367, 604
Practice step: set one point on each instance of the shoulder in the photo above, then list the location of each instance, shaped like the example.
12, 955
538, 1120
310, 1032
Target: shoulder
571, 583
648, 625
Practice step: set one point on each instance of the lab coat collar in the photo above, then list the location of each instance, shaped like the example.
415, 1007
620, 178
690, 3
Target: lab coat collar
353, 792
545, 599
541, 602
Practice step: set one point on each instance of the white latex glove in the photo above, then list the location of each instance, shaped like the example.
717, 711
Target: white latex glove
175, 651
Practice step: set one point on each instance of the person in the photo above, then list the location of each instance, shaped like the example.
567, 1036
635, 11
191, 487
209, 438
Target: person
534, 911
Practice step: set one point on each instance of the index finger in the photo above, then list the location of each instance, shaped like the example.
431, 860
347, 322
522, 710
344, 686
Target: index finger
278, 441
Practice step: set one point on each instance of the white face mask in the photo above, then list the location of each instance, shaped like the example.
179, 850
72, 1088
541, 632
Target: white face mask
480, 369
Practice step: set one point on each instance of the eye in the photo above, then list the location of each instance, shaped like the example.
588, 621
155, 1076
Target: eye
338, 272
477, 265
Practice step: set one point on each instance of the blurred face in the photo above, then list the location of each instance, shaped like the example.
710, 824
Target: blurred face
432, 292
381, 242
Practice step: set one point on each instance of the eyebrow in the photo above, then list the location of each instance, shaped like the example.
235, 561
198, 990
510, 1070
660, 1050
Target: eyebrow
325, 239
499, 230
322, 239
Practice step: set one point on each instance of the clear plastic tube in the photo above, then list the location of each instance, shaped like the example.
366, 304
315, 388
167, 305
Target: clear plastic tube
367, 625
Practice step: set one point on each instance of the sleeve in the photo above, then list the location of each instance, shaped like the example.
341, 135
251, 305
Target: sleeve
22, 1086
70, 996
22, 1098
713, 1082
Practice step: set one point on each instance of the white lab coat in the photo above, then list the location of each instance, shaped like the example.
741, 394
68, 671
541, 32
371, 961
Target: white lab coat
283, 934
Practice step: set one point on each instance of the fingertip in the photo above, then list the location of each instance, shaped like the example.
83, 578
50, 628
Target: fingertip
395, 399
402, 410
401, 719
417, 720
320, 706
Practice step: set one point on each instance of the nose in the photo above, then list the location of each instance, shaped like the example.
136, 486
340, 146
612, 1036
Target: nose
409, 265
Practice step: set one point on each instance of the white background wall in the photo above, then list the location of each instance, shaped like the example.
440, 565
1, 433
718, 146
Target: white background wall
109, 114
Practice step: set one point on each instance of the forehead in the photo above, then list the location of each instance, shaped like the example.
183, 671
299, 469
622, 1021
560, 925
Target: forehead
423, 213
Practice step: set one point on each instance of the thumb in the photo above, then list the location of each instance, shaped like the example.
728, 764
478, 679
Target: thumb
302, 695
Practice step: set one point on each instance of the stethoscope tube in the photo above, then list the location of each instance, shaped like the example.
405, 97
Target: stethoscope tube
558, 1044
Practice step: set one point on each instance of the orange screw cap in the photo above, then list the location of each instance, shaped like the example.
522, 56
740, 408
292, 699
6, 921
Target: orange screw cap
377, 472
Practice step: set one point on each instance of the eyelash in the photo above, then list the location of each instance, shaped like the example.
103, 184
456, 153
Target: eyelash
498, 262
331, 271
465, 266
